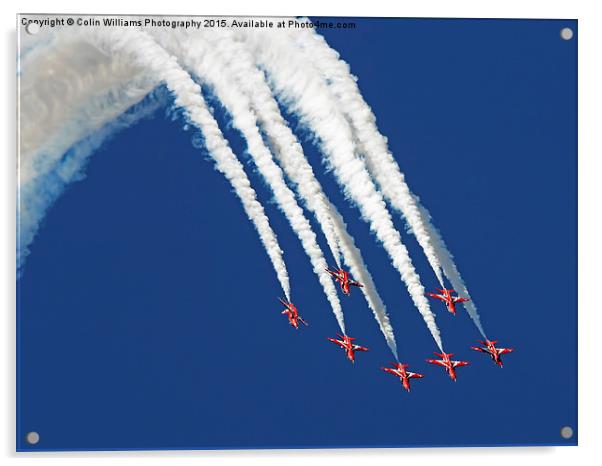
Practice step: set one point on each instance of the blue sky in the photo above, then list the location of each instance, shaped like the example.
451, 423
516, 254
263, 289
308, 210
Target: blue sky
147, 308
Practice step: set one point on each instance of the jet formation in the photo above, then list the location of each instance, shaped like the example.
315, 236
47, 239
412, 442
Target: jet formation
399, 369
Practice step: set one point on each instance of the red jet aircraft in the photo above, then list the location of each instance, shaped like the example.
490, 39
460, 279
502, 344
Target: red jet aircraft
449, 300
342, 276
293, 314
491, 350
448, 364
404, 376
347, 344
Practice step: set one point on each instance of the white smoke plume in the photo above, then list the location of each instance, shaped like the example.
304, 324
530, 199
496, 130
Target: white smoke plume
60, 133
198, 56
304, 92
250, 80
140, 48
380, 161
450, 269
372, 144
100, 88
355, 261
240, 65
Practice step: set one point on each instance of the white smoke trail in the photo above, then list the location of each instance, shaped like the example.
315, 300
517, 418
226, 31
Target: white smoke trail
372, 143
380, 161
353, 258
240, 65
99, 90
141, 49
250, 80
306, 95
198, 56
450, 269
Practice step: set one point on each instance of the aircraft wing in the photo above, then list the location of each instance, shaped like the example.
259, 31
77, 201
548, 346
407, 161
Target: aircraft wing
391, 371
439, 362
340, 343
414, 375
478, 348
505, 350
354, 283
284, 303
461, 300
300, 319
460, 363
359, 348
436, 296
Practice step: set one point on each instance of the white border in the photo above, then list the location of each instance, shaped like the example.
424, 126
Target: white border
590, 154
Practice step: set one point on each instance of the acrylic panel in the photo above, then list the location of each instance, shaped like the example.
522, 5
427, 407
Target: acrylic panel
255, 232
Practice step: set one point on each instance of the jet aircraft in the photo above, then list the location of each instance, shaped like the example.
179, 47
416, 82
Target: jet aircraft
490, 349
399, 370
448, 364
342, 276
292, 313
449, 300
347, 344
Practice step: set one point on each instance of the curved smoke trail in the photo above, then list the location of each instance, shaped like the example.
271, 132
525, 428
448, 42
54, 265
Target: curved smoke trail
60, 134
37, 195
289, 153
298, 87
198, 56
141, 49
380, 161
